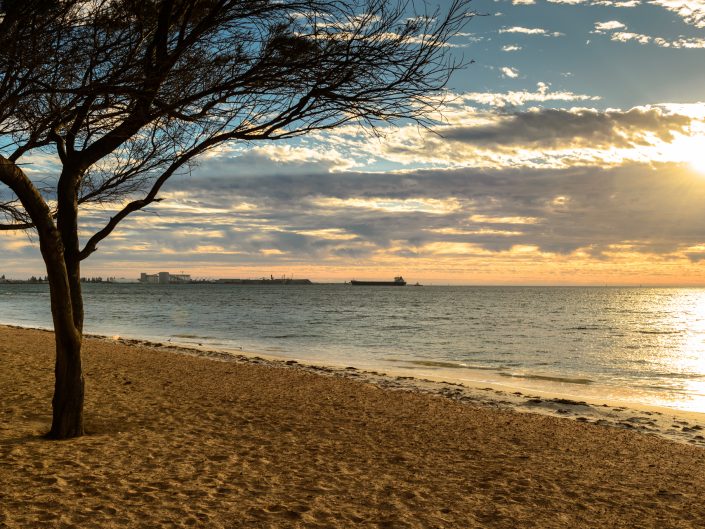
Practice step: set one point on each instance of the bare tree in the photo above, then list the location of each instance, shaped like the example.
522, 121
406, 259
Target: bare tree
127, 93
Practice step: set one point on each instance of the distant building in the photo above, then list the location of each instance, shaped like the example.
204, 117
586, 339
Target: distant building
164, 278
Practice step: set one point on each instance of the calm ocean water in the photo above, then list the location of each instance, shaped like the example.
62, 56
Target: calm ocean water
640, 345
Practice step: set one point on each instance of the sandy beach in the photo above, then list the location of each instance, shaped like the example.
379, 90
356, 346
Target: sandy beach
177, 440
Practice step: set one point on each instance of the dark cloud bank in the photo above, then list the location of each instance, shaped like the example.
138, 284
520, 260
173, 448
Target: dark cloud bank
554, 128
655, 208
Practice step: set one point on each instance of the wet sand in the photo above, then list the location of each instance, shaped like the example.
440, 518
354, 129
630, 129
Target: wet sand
178, 440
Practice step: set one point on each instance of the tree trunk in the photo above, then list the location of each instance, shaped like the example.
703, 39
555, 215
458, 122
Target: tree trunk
59, 248
67, 404
67, 419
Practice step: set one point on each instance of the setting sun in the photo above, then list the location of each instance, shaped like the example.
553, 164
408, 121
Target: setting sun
691, 150
697, 160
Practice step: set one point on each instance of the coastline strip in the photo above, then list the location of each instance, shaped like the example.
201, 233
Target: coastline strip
672, 424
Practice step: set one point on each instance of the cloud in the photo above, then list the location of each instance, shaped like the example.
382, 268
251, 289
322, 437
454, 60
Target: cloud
604, 3
542, 94
691, 11
680, 43
617, 3
628, 36
557, 138
601, 27
634, 207
512, 73
531, 31
554, 127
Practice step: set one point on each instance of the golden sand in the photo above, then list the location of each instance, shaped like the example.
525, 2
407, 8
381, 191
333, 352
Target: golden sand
182, 441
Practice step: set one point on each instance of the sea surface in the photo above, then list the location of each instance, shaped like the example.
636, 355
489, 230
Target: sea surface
632, 345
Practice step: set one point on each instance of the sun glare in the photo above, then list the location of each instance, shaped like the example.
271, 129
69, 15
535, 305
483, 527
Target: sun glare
698, 163
691, 150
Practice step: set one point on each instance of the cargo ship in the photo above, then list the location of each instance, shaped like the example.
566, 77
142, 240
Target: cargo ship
398, 282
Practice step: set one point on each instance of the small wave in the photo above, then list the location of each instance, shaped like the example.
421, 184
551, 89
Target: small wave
639, 361
284, 336
485, 368
675, 376
659, 332
436, 363
660, 387
548, 378
439, 363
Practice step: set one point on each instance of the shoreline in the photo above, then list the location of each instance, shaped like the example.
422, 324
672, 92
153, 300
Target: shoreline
549, 385
673, 424
175, 439
621, 364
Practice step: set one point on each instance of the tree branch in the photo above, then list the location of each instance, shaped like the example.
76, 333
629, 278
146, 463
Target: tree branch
17, 227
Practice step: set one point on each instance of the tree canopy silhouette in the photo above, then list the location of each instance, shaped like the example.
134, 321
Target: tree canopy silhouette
124, 94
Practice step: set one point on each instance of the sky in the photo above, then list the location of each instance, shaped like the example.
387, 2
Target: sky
571, 152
